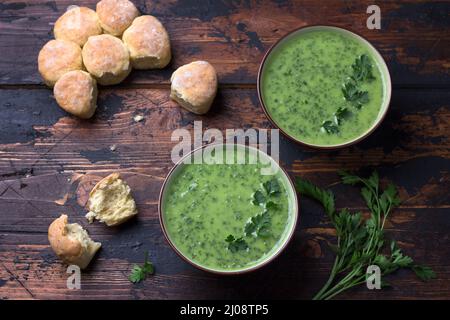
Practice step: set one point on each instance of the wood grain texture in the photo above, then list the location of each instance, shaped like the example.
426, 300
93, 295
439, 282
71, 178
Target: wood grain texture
233, 35
49, 160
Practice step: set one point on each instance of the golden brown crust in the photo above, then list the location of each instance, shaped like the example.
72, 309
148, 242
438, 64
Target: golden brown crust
116, 15
104, 182
71, 243
76, 92
64, 247
194, 86
77, 25
58, 57
148, 43
107, 59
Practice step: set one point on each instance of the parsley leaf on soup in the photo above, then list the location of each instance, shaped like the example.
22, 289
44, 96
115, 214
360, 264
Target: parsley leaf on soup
272, 187
258, 198
329, 127
258, 225
362, 68
236, 244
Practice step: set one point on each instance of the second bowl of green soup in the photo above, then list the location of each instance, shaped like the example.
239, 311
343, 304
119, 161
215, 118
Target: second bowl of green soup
230, 210
324, 86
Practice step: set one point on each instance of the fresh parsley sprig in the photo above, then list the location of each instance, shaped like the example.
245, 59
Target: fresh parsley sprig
341, 114
258, 225
360, 243
354, 95
362, 71
140, 273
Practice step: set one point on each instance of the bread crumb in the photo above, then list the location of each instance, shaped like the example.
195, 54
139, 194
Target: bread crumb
90, 216
138, 118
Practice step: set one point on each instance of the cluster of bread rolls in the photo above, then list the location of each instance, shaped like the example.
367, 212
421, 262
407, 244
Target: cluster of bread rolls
101, 47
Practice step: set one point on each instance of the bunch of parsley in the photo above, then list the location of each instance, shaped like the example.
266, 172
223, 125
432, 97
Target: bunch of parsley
360, 243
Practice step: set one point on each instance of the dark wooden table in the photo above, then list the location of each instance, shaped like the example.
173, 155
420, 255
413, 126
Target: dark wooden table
49, 160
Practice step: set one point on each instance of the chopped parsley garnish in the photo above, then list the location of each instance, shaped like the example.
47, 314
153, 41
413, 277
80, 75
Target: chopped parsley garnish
270, 205
362, 71
341, 114
236, 244
329, 127
272, 187
258, 225
353, 95
258, 198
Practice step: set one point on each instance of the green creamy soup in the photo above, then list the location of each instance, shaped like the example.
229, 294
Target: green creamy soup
206, 204
303, 87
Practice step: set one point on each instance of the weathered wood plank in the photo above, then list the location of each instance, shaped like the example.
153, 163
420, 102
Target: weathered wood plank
49, 161
37, 137
297, 273
234, 35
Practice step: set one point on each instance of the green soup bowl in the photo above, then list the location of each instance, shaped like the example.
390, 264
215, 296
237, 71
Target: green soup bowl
182, 234
270, 107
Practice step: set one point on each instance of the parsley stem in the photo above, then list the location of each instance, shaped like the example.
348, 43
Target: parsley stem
350, 285
329, 281
344, 284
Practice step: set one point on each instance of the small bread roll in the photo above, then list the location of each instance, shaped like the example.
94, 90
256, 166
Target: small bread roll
194, 86
110, 201
148, 43
76, 92
77, 25
58, 57
107, 59
71, 242
116, 15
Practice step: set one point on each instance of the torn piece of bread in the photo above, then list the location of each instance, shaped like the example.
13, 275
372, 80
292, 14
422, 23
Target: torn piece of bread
110, 201
194, 86
71, 242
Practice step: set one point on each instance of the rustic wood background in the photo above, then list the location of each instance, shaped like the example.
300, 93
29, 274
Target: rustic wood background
49, 160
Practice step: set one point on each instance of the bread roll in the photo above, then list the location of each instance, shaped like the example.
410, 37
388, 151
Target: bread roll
71, 242
107, 59
194, 86
116, 15
58, 57
110, 201
148, 43
77, 25
76, 92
